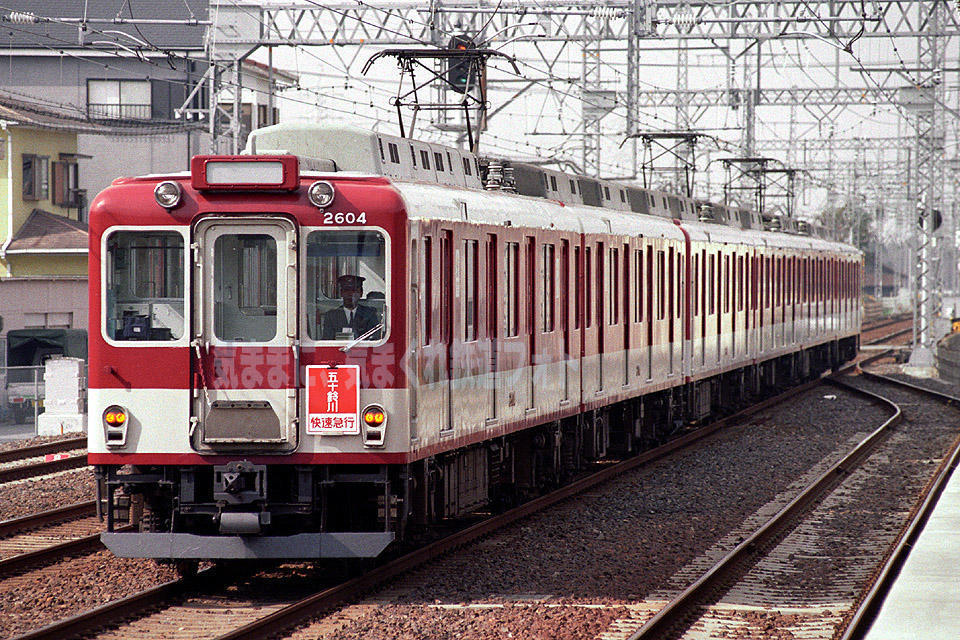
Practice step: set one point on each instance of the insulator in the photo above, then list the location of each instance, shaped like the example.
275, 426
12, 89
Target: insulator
684, 20
607, 12
21, 17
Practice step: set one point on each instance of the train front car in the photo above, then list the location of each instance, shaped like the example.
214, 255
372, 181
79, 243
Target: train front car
212, 294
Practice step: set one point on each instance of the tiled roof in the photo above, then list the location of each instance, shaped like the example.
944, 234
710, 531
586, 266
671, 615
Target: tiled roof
45, 231
32, 114
59, 35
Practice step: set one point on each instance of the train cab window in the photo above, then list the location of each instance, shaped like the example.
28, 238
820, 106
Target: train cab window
144, 286
346, 293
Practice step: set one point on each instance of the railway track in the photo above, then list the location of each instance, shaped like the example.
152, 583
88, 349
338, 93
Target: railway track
35, 451
48, 537
46, 467
743, 594
253, 618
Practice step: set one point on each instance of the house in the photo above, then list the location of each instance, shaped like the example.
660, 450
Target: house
43, 239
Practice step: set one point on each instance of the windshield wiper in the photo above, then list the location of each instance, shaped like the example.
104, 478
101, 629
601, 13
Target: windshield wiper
361, 338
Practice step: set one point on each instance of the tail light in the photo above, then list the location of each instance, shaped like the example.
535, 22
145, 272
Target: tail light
115, 420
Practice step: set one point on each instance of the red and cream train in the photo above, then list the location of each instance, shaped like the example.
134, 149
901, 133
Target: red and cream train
305, 350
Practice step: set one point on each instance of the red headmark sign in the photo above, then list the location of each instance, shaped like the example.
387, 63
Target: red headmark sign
333, 400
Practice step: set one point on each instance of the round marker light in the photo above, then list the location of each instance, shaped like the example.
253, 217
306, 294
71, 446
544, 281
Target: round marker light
374, 416
115, 416
168, 194
321, 193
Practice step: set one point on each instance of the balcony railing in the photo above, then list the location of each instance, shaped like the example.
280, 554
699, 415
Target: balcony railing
119, 111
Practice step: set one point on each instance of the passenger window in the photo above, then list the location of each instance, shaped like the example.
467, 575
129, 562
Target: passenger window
413, 156
394, 153
606, 193
512, 258
553, 183
144, 289
425, 159
438, 158
549, 298
470, 290
466, 167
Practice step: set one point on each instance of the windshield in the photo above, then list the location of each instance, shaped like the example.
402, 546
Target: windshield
346, 285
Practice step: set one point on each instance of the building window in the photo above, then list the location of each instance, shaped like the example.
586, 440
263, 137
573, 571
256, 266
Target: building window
66, 183
119, 99
36, 177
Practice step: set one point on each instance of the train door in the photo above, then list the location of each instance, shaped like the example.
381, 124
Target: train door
565, 314
244, 333
651, 312
599, 298
627, 316
446, 327
671, 313
492, 307
531, 317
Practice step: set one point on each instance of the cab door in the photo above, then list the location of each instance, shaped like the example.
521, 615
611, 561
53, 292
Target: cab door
244, 329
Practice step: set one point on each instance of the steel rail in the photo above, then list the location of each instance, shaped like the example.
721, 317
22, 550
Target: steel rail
113, 612
43, 449
53, 553
869, 607
675, 611
316, 604
32, 521
42, 468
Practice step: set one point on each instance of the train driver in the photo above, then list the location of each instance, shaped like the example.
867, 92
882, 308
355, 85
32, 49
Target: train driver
350, 320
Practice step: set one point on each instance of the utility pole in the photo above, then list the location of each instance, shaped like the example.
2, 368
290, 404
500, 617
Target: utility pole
930, 173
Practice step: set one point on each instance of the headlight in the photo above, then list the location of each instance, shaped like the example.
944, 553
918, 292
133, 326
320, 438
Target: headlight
168, 194
115, 425
374, 426
321, 193
374, 416
115, 416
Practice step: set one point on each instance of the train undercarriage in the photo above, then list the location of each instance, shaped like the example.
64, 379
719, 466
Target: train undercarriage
359, 510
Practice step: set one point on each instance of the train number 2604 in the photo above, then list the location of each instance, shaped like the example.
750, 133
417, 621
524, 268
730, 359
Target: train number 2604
330, 217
